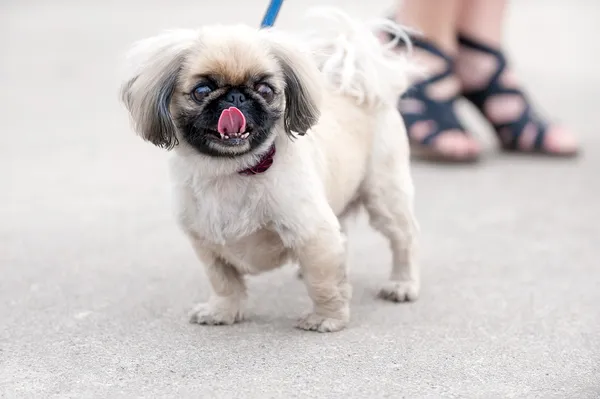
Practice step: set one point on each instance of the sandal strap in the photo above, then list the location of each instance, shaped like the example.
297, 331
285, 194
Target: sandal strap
423, 44
430, 48
495, 87
517, 127
439, 112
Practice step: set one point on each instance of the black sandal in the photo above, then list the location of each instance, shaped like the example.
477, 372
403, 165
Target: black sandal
509, 132
440, 113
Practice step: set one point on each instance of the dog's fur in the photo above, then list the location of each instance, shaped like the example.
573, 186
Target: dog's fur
342, 94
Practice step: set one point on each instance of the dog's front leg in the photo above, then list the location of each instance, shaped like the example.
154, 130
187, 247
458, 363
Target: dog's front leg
225, 305
323, 264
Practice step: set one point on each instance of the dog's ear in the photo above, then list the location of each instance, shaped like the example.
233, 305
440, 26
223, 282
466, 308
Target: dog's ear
303, 85
153, 69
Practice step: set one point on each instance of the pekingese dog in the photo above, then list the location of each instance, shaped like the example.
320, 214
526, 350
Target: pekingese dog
276, 140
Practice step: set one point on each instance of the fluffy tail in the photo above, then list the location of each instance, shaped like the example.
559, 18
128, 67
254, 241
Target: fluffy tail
355, 60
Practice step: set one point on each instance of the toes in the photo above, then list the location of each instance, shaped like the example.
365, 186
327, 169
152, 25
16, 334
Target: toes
560, 140
557, 140
452, 142
474, 148
400, 291
456, 144
315, 322
209, 315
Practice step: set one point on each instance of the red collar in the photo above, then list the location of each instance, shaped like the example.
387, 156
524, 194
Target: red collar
262, 165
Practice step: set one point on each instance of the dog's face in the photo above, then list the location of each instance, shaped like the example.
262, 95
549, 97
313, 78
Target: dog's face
224, 91
229, 72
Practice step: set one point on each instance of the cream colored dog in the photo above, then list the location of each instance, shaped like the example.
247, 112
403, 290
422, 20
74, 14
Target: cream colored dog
230, 101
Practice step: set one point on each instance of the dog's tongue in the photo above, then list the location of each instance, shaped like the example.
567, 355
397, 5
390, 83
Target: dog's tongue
231, 121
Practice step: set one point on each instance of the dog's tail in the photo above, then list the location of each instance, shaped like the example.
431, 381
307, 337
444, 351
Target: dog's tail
355, 60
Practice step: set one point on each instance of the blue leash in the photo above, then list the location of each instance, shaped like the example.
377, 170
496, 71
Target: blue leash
271, 14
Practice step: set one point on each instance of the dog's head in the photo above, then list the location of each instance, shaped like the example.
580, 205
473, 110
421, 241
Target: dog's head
224, 91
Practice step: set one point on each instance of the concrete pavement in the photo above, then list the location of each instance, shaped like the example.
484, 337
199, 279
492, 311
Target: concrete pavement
96, 280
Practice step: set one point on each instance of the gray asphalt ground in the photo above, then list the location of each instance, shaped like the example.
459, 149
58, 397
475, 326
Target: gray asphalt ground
96, 279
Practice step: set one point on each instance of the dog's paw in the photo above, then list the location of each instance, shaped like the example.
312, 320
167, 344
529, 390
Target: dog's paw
206, 314
400, 291
315, 322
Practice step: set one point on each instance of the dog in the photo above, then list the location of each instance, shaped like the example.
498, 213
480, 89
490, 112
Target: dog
276, 139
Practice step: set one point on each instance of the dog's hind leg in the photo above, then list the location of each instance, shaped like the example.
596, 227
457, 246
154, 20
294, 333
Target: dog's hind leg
388, 198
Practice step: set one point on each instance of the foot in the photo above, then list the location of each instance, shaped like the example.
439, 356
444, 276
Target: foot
211, 314
491, 85
400, 291
316, 322
428, 109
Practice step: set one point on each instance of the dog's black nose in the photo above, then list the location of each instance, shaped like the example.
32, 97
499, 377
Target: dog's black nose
235, 98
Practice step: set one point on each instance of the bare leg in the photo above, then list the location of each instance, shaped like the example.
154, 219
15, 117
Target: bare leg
436, 21
483, 21
229, 292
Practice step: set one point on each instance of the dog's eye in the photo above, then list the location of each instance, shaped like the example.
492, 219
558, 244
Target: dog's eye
200, 92
265, 91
